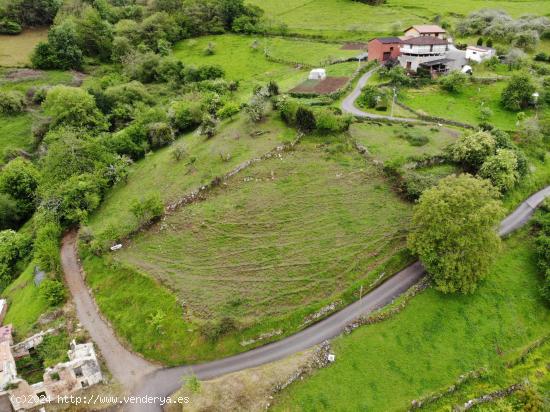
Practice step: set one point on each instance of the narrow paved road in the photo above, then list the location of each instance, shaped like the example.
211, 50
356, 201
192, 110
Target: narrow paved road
125, 366
144, 379
348, 105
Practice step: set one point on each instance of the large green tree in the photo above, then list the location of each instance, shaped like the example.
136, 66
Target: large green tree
453, 232
518, 94
471, 149
19, 179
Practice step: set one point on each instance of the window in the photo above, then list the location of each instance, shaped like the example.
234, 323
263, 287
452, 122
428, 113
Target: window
78, 372
84, 383
42, 396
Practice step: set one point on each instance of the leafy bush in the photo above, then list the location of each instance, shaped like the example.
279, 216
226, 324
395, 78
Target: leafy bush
329, 122
228, 110
11, 102
414, 139
471, 149
209, 126
13, 247
256, 108
46, 247
53, 292
148, 209
501, 169
61, 51
9, 212
454, 82
369, 96
185, 115
414, 184
19, 179
159, 135
305, 120
8, 26
213, 331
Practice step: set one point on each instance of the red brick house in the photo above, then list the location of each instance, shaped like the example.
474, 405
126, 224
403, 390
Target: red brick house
384, 48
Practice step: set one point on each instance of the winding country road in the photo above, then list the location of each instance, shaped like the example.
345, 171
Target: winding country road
348, 104
143, 378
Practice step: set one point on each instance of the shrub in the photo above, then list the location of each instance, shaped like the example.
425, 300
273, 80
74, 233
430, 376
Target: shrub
46, 247
369, 96
9, 212
148, 209
228, 110
329, 122
471, 149
518, 94
141, 66
11, 102
52, 291
8, 26
61, 51
209, 126
159, 134
501, 169
305, 120
256, 108
13, 247
179, 152
19, 179
454, 82
185, 115
414, 184
213, 331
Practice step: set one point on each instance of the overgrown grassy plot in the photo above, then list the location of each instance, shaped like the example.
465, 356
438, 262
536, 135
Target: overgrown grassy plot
397, 143
236, 142
288, 233
293, 231
434, 340
283, 239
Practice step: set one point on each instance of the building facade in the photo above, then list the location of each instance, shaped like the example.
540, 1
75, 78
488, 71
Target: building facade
383, 49
479, 53
428, 30
418, 50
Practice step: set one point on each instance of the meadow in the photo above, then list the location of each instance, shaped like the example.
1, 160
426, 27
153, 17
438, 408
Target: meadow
237, 141
431, 342
463, 106
349, 19
389, 143
250, 66
15, 51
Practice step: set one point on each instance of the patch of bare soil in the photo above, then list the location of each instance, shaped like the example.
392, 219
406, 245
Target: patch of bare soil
326, 86
354, 46
24, 74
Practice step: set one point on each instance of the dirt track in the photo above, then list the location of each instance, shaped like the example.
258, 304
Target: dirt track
126, 367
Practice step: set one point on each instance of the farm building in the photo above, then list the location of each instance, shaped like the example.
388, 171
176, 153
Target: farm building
418, 50
479, 53
383, 49
428, 30
317, 74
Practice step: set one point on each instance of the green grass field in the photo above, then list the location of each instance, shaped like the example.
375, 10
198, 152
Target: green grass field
384, 141
159, 173
15, 132
282, 240
25, 303
463, 106
15, 51
434, 340
283, 235
353, 20
251, 68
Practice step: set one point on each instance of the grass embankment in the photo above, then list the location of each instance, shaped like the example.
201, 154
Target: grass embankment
435, 339
16, 50
236, 142
251, 68
25, 303
282, 240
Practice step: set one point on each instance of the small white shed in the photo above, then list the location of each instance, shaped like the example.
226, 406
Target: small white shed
318, 74
479, 53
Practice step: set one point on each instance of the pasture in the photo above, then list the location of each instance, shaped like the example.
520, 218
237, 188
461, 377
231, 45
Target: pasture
15, 51
432, 341
348, 19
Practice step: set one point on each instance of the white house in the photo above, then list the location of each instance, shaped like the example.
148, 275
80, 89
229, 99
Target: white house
479, 53
318, 74
416, 51
421, 30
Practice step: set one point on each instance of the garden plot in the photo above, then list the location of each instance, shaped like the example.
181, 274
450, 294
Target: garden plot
326, 86
288, 234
